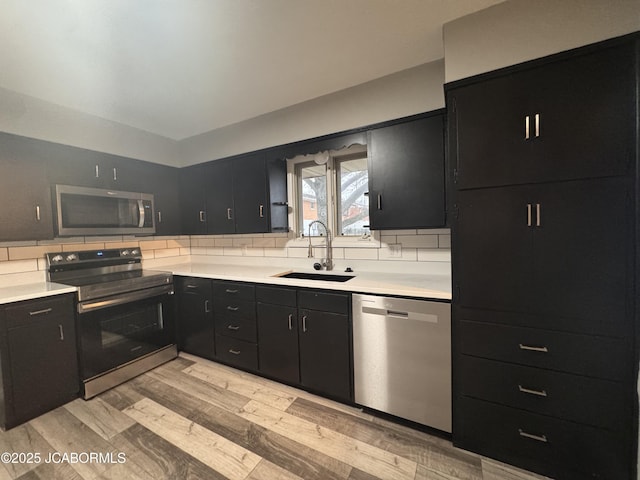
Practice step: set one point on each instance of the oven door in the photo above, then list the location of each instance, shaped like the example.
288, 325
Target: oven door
119, 329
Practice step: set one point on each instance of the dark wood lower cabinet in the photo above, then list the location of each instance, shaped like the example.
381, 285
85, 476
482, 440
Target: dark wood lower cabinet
39, 359
278, 331
196, 332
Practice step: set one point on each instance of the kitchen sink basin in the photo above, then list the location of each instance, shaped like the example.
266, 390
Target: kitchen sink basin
324, 277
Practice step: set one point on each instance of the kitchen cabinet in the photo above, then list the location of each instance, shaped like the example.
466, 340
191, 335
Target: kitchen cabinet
39, 358
244, 194
196, 330
166, 197
544, 229
324, 330
235, 322
570, 119
25, 196
406, 174
278, 333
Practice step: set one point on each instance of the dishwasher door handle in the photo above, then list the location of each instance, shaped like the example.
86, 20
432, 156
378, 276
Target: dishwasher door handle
400, 314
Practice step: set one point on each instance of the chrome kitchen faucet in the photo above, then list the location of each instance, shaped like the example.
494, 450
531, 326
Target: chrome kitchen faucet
326, 262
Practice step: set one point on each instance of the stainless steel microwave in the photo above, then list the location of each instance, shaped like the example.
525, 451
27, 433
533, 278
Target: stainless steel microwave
82, 211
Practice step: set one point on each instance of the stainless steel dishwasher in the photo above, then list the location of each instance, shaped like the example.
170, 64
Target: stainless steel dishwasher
402, 358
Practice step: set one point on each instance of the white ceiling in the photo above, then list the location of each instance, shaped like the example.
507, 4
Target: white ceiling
178, 68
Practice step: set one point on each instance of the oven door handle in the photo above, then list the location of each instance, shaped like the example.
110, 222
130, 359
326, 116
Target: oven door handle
85, 307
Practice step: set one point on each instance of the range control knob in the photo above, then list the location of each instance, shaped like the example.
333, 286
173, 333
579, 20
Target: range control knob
125, 253
135, 251
72, 257
57, 259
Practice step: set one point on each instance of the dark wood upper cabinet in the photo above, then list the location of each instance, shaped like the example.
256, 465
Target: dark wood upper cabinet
219, 197
251, 208
570, 119
406, 174
25, 196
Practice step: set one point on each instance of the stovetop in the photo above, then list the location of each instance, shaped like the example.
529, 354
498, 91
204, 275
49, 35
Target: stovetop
102, 273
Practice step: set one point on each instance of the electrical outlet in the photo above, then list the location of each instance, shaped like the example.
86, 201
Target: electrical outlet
395, 250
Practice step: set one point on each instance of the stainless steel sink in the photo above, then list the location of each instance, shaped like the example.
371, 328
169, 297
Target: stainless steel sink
324, 277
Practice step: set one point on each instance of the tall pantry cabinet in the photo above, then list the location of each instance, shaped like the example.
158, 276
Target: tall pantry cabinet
544, 159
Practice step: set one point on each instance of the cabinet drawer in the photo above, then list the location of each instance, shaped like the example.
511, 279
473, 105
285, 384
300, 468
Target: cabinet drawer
235, 319
324, 301
237, 352
600, 403
194, 285
276, 296
567, 352
234, 290
542, 444
59, 308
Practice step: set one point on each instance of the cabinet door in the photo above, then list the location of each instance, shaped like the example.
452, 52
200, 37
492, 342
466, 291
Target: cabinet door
166, 197
580, 255
42, 360
192, 200
493, 241
406, 174
325, 355
25, 199
195, 326
278, 342
250, 194
586, 116
488, 119
219, 193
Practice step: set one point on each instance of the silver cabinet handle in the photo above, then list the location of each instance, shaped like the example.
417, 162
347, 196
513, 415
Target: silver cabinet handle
97, 171
235, 352
539, 393
538, 215
202, 216
233, 327
228, 214
527, 128
528, 214
230, 290
379, 201
537, 124
207, 307
304, 323
38, 212
232, 309
261, 211
40, 312
192, 286
533, 349
290, 321
61, 332
115, 173
539, 438
159, 217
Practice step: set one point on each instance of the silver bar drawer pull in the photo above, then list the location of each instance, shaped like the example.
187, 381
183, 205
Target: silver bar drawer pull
261, 211
235, 352
304, 323
159, 216
207, 308
232, 309
539, 393
538, 215
528, 214
233, 327
61, 332
537, 121
41, 312
533, 349
379, 202
115, 174
97, 171
228, 214
229, 290
539, 438
38, 213
527, 128
290, 321
201, 216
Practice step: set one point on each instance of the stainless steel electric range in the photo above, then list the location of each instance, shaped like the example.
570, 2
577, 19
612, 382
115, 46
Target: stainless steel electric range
125, 315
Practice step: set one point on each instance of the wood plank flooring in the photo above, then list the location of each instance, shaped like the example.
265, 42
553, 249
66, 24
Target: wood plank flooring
194, 419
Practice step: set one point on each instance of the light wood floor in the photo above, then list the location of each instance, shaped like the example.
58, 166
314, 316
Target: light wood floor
194, 419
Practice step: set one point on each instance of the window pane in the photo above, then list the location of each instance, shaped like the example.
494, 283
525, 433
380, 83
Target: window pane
353, 208
313, 191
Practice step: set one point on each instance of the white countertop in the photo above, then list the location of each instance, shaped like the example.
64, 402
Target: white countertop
410, 285
30, 291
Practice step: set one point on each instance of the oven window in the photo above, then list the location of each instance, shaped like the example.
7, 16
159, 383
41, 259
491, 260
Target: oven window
113, 336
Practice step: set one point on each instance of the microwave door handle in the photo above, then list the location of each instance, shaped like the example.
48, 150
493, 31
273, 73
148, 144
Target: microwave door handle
141, 213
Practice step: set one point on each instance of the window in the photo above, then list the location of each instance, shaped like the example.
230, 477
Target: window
331, 187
